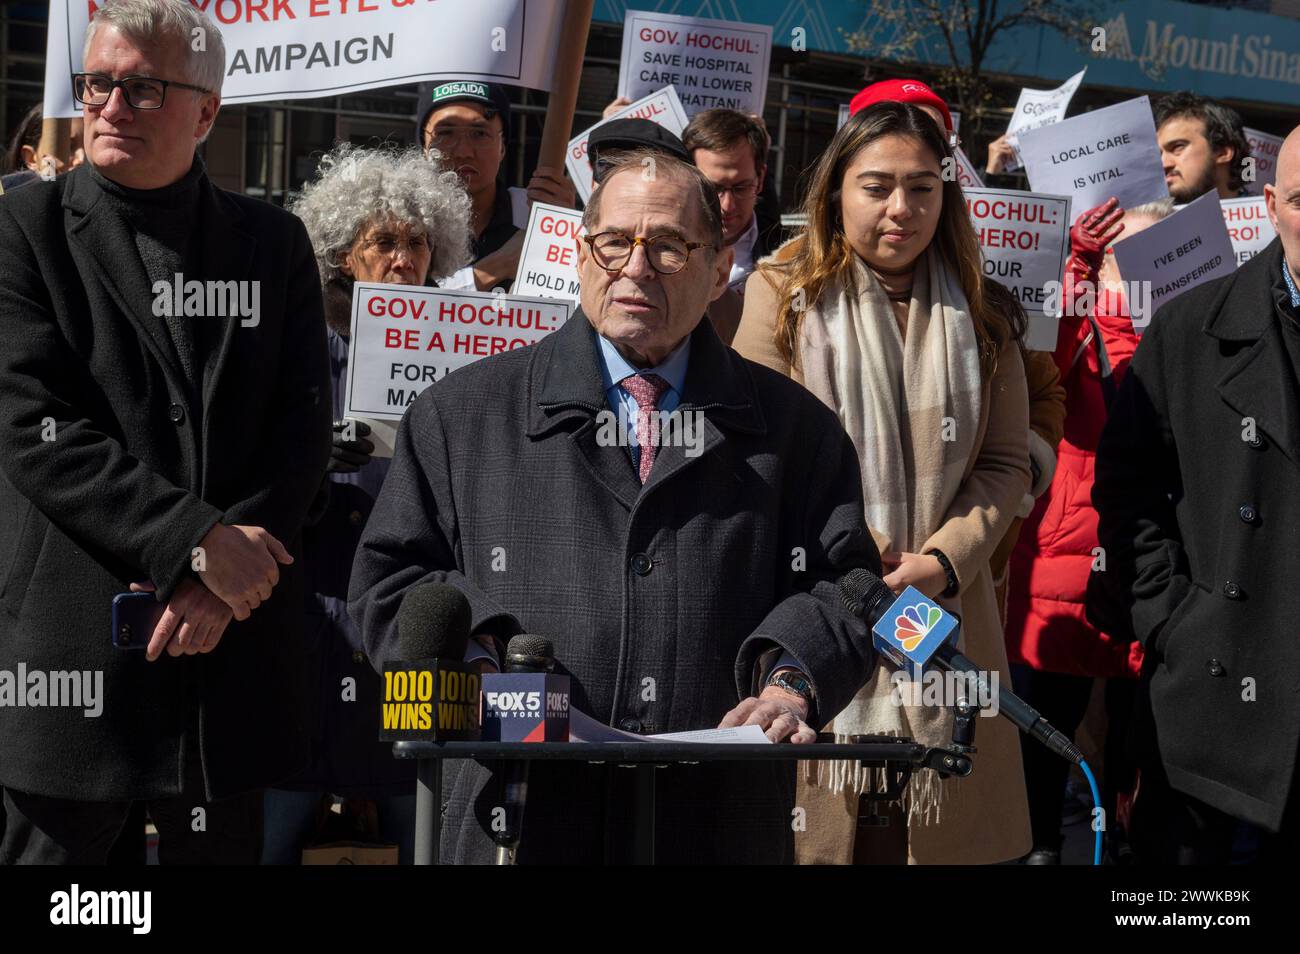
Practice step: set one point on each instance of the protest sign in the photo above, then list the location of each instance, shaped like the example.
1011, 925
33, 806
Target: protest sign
1024, 238
548, 262
1040, 107
967, 175
1263, 149
1107, 152
662, 107
1175, 254
406, 337
303, 49
1249, 227
712, 63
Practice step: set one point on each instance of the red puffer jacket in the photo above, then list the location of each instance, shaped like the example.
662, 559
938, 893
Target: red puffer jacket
1046, 624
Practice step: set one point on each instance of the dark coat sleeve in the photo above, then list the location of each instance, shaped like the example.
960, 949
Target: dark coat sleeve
412, 538
83, 479
811, 622
1137, 479
294, 449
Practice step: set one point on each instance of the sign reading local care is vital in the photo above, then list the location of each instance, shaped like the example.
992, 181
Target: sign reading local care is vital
1107, 152
711, 63
406, 337
303, 49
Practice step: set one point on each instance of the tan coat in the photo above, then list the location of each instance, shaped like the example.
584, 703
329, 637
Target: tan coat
985, 818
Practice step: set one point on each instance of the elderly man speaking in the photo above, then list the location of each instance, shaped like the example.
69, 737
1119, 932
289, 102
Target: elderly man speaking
684, 583
166, 425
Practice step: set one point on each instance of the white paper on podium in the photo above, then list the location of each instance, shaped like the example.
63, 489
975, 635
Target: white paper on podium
583, 728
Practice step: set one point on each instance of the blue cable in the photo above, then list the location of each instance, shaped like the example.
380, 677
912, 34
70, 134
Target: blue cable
1096, 802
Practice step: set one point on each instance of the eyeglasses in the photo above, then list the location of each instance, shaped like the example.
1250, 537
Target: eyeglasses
388, 244
741, 190
444, 137
666, 254
141, 92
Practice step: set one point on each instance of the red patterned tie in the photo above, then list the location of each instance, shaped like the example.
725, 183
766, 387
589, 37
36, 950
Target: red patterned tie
646, 390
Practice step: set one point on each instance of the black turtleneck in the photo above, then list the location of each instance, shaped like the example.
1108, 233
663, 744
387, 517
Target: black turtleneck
164, 224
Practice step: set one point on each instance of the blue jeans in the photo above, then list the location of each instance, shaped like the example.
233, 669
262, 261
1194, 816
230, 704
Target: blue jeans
290, 819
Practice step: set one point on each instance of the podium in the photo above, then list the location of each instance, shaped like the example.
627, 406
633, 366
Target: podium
897, 757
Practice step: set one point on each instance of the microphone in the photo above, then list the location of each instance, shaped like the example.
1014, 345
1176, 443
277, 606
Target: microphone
914, 632
430, 694
526, 703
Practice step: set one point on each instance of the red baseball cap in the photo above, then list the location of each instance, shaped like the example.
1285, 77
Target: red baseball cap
901, 91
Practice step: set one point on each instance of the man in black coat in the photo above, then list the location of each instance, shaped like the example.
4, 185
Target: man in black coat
686, 583
1198, 492
166, 426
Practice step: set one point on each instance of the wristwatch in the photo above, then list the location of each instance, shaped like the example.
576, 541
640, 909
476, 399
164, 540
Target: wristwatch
791, 680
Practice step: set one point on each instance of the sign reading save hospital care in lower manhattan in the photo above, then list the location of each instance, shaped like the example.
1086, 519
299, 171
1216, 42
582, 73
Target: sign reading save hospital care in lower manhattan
406, 337
711, 63
302, 49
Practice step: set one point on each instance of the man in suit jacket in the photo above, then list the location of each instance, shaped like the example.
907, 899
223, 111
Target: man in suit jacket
685, 573
1198, 492
163, 432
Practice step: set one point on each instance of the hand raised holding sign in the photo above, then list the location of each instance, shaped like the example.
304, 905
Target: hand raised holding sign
1096, 229
549, 184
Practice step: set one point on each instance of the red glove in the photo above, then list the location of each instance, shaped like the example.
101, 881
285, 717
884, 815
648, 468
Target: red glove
1095, 230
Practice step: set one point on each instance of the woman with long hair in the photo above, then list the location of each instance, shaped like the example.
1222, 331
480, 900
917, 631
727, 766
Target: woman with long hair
881, 308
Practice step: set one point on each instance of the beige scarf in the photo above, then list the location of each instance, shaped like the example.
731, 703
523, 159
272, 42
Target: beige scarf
912, 409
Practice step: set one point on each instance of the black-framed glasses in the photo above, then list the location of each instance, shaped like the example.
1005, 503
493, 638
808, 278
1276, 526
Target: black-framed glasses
141, 92
666, 254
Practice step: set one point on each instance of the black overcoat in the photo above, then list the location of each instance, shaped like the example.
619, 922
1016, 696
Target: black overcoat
660, 599
110, 474
1198, 492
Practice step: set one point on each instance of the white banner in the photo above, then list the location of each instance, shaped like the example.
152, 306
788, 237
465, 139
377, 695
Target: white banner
1040, 107
1249, 227
712, 63
305, 49
548, 262
406, 337
1107, 152
1263, 149
1024, 238
1187, 249
662, 107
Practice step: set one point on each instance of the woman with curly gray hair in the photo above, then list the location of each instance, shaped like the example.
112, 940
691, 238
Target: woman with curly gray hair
382, 215
374, 215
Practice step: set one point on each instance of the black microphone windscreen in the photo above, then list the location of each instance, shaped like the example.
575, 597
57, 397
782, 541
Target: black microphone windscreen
433, 621
526, 644
861, 588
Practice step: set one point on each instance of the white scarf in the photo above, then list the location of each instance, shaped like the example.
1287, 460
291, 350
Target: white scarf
912, 408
